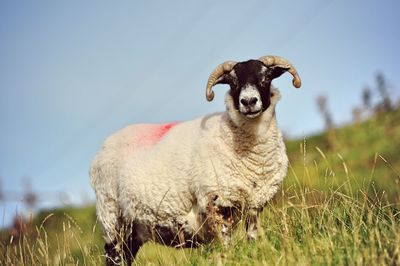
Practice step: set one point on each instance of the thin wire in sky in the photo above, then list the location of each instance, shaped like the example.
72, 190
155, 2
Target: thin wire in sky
122, 102
231, 33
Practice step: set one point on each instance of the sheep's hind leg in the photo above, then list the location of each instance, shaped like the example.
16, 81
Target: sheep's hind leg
112, 254
131, 247
109, 217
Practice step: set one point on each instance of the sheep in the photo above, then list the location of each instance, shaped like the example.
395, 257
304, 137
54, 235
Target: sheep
182, 184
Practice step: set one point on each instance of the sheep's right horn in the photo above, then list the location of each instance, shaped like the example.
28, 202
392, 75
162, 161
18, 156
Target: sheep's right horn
217, 73
271, 60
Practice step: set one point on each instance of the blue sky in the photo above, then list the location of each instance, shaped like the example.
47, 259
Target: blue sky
73, 72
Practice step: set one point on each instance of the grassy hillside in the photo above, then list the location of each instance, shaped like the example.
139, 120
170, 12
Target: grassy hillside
339, 205
365, 155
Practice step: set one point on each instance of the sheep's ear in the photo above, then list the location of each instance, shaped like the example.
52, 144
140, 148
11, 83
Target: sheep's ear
228, 78
224, 79
276, 71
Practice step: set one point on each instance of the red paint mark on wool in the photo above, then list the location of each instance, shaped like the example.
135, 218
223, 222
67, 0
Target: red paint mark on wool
160, 131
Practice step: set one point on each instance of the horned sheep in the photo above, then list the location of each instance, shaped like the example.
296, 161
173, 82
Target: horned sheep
183, 184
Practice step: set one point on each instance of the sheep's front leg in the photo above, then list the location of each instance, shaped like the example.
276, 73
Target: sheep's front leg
221, 219
225, 233
252, 224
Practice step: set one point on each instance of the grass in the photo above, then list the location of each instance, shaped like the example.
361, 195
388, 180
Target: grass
339, 205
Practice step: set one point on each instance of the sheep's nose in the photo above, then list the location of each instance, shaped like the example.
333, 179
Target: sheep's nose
249, 102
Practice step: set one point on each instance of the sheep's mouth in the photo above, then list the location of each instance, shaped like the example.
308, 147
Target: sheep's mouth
252, 114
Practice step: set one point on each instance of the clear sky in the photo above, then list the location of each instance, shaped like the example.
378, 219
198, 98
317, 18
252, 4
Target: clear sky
73, 72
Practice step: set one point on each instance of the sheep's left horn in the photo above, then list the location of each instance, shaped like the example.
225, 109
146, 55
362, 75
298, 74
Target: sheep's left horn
217, 73
271, 60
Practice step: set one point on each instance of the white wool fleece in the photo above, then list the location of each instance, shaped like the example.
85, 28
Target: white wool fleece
225, 154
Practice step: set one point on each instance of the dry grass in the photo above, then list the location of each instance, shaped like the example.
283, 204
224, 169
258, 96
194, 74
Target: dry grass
338, 206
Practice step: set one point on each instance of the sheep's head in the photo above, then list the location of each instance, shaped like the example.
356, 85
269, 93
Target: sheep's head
250, 82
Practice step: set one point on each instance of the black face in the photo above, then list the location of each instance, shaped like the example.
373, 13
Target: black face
250, 83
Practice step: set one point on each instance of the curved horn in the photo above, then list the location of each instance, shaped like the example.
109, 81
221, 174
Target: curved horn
217, 73
271, 60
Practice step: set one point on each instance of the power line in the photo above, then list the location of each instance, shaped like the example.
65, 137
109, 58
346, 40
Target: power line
240, 25
113, 107
321, 5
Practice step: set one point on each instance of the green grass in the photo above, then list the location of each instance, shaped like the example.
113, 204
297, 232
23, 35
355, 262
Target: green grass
339, 205
360, 155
